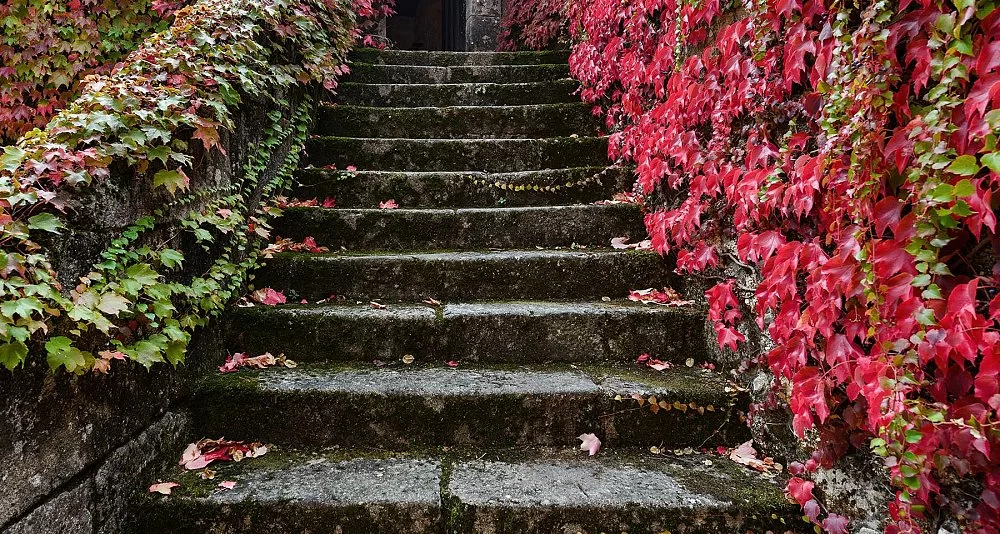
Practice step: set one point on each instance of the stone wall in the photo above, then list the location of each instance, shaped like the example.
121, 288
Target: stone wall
482, 25
76, 450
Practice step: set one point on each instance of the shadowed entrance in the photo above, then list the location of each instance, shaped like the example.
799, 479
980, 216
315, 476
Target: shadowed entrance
428, 25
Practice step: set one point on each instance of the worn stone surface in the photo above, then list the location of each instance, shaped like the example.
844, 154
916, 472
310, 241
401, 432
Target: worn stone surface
467, 228
316, 495
365, 189
514, 332
615, 495
65, 513
375, 56
365, 73
459, 122
469, 94
490, 155
469, 276
425, 406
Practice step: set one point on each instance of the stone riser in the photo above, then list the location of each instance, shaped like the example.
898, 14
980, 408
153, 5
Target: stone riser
407, 408
365, 189
365, 73
473, 94
472, 229
509, 332
492, 155
450, 59
467, 276
469, 122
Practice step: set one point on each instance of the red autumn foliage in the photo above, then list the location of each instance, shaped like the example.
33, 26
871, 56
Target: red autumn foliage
850, 154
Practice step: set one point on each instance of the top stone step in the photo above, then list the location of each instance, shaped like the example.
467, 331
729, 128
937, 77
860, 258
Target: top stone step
451, 59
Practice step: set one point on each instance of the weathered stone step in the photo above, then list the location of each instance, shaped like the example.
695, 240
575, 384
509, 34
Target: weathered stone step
491, 155
466, 94
407, 406
460, 122
489, 332
465, 228
448, 59
365, 189
467, 276
503, 492
367, 73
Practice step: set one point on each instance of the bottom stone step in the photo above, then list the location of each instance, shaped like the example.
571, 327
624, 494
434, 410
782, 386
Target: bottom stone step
474, 491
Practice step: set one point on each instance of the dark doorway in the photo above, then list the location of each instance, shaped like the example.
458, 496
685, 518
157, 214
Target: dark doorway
427, 25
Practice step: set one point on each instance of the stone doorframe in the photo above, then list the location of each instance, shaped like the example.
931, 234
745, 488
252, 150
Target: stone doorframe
482, 25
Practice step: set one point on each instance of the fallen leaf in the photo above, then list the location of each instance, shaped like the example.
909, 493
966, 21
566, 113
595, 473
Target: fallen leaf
227, 484
329, 202
432, 302
268, 296
451, 364
590, 443
163, 488
388, 204
207, 474
408, 359
377, 305
667, 297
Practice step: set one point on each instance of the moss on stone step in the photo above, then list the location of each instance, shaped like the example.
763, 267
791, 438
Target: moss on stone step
491, 155
366, 73
365, 189
470, 94
497, 122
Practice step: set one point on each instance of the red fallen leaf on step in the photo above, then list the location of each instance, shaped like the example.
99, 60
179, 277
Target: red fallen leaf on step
667, 297
388, 204
198, 455
622, 198
268, 296
227, 484
653, 363
287, 245
235, 361
331, 166
329, 202
453, 364
432, 302
377, 305
590, 443
163, 487
351, 168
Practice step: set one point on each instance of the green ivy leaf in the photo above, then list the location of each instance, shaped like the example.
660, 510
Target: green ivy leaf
992, 160
143, 273
965, 188
113, 304
964, 166
13, 354
175, 352
46, 222
12, 158
172, 180
171, 258
22, 307
62, 353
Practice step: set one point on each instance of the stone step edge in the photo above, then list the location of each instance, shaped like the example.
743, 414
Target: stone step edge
441, 490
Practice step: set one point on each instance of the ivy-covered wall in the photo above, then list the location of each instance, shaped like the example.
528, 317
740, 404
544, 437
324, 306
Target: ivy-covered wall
127, 224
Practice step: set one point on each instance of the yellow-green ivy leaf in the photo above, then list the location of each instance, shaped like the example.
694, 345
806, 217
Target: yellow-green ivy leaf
964, 166
13, 354
172, 180
46, 222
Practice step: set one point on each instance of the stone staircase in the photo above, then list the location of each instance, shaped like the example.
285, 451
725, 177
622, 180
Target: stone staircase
496, 168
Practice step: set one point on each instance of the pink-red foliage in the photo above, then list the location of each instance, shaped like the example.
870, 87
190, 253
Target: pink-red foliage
850, 153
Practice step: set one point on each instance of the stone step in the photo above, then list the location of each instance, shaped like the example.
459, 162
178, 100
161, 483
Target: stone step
487, 332
467, 276
464, 228
465, 94
449, 59
490, 155
402, 407
539, 491
459, 122
367, 73
365, 189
